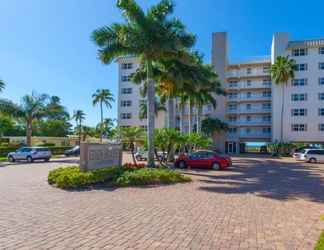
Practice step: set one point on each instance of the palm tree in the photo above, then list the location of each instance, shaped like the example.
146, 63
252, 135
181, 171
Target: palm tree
2, 85
102, 97
158, 106
281, 71
79, 116
32, 107
150, 36
132, 136
211, 125
107, 126
55, 110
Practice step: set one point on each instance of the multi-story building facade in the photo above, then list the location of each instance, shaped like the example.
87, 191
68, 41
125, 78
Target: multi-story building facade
252, 107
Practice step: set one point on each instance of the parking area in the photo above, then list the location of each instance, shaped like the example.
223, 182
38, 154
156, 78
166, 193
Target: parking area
260, 203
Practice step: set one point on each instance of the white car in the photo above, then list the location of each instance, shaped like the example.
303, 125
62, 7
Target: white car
30, 154
315, 155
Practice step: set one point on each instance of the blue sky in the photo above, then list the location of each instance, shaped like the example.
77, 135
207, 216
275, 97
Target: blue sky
45, 44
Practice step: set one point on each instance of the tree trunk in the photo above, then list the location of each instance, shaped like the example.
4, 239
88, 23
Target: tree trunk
80, 132
150, 116
282, 112
199, 112
181, 118
190, 116
101, 124
29, 131
133, 154
171, 115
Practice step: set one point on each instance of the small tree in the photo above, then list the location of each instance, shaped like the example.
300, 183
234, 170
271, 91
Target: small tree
211, 125
132, 136
2, 85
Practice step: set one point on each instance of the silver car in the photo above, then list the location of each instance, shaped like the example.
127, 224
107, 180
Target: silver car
30, 154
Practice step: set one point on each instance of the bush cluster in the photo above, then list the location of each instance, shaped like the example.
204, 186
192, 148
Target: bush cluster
72, 177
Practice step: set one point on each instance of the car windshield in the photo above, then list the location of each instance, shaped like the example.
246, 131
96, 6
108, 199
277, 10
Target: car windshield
75, 148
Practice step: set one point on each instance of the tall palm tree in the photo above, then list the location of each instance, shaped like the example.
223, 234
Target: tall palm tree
79, 116
32, 107
149, 36
211, 125
2, 85
281, 71
55, 110
102, 97
132, 136
107, 126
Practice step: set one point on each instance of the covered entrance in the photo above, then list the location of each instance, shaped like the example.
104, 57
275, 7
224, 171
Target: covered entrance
230, 147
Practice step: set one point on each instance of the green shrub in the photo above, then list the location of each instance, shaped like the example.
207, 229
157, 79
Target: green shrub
320, 242
72, 177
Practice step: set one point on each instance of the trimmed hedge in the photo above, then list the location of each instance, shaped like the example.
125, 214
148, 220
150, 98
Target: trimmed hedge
72, 177
55, 150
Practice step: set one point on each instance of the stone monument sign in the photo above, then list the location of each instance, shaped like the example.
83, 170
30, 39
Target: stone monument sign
94, 155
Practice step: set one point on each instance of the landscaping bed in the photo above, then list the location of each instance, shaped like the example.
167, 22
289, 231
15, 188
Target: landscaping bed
72, 177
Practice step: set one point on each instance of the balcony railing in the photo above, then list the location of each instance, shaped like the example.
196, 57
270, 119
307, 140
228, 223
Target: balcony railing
254, 135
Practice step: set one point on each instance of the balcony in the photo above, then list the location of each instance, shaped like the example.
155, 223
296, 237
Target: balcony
255, 110
256, 85
252, 123
245, 98
232, 74
257, 135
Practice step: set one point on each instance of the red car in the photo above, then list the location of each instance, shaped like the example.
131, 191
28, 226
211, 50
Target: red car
204, 159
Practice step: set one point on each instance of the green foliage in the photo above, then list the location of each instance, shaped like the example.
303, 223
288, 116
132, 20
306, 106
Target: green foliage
282, 70
72, 177
281, 149
211, 125
149, 176
2, 85
320, 242
9, 127
54, 128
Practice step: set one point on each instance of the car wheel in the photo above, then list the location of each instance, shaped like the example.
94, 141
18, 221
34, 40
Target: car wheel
47, 159
29, 159
11, 159
216, 166
312, 160
138, 158
182, 164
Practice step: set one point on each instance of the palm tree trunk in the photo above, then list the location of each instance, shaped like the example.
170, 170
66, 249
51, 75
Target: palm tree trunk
199, 111
29, 129
181, 118
80, 132
133, 153
150, 116
101, 124
282, 112
190, 116
171, 116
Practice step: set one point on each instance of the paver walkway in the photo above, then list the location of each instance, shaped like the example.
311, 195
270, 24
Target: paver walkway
259, 204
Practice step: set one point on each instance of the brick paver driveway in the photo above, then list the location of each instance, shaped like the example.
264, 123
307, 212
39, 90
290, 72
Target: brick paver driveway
258, 204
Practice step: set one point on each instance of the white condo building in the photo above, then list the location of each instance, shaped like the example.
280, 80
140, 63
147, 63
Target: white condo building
252, 107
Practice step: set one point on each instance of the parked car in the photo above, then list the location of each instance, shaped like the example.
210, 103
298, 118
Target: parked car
143, 155
204, 159
30, 154
314, 155
75, 151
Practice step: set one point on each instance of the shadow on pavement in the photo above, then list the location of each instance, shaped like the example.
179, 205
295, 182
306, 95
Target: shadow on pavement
267, 178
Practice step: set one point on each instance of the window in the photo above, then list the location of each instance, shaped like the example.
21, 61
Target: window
266, 130
232, 119
299, 112
232, 106
321, 50
321, 127
299, 97
299, 52
248, 130
232, 95
126, 103
125, 116
321, 96
233, 84
266, 69
266, 106
248, 106
209, 107
266, 118
248, 118
321, 65
321, 81
321, 111
298, 127
248, 95
232, 130
299, 82
301, 67
126, 78
266, 82
266, 94
127, 65
248, 82
249, 71
126, 91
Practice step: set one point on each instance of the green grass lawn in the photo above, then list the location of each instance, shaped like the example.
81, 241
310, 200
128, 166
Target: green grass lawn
320, 243
3, 158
